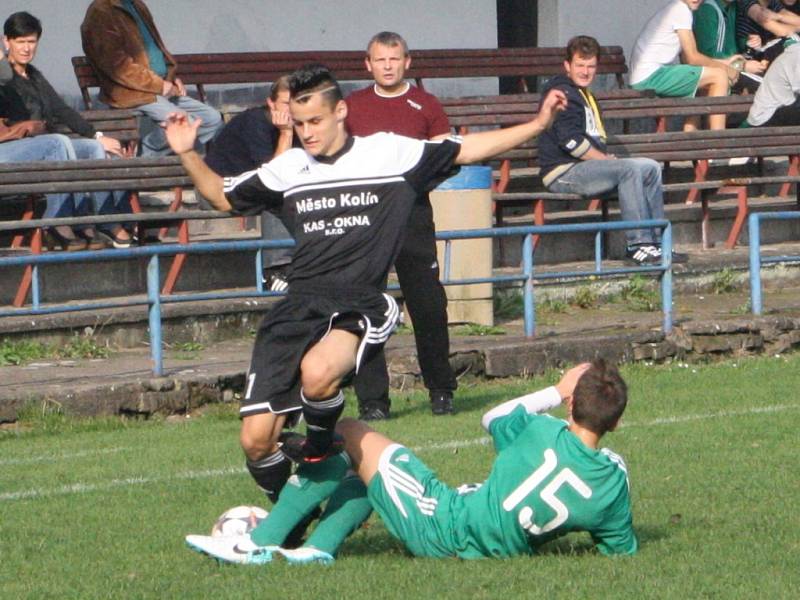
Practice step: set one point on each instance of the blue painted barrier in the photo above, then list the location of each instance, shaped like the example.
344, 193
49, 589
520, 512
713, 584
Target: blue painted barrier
154, 299
756, 260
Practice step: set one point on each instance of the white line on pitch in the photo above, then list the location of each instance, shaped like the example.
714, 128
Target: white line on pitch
55, 457
81, 488
702, 417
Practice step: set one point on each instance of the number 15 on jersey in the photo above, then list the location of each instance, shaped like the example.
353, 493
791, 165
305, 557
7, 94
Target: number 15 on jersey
548, 494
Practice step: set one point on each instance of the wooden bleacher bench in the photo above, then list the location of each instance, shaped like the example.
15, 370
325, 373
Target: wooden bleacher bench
132, 174
623, 105
202, 70
120, 124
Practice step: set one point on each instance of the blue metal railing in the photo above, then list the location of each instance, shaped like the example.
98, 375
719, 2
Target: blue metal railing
154, 299
756, 260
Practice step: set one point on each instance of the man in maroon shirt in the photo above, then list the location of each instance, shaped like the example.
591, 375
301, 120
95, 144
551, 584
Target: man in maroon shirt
394, 105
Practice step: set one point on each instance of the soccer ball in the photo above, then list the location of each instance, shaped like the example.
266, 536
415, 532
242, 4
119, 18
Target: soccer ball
238, 520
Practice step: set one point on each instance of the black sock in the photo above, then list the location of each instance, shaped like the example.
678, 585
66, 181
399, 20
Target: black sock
271, 473
321, 417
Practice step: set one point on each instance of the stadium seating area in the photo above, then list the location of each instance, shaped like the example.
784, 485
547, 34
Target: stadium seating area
517, 187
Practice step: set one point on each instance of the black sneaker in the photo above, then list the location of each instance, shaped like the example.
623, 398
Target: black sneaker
442, 403
299, 449
373, 413
643, 255
275, 279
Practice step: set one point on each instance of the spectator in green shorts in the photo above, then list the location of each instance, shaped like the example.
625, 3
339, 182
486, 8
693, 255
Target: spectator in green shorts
715, 34
654, 63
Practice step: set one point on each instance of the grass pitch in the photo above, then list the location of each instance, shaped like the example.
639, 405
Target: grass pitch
99, 509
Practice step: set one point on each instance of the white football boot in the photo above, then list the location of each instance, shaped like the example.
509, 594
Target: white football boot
238, 549
306, 555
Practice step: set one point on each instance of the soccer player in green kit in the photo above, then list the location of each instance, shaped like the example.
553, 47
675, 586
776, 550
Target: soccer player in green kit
549, 478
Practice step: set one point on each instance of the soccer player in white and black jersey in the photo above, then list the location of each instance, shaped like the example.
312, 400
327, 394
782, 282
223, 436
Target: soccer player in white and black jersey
351, 197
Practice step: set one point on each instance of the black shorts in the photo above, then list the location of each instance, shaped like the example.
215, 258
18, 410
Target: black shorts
295, 324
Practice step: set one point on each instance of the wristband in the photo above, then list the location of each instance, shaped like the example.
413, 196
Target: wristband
98, 135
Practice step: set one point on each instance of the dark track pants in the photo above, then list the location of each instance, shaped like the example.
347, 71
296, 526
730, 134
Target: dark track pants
426, 303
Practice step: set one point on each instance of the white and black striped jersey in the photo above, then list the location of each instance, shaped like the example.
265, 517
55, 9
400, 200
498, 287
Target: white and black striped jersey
350, 209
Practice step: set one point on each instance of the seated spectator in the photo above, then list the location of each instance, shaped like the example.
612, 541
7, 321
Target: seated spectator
777, 101
22, 32
137, 71
665, 37
793, 6
25, 140
715, 34
574, 160
764, 27
250, 139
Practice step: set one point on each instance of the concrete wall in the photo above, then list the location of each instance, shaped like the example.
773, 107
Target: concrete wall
612, 22
240, 25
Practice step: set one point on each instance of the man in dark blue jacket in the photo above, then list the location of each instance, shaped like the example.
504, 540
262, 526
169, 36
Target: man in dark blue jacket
574, 159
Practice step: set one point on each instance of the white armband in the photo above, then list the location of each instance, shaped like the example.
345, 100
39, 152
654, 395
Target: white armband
534, 403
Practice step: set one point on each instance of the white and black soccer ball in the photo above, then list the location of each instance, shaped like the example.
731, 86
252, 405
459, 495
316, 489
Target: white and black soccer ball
238, 520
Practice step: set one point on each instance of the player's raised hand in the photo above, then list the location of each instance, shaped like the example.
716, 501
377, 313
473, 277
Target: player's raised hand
566, 386
181, 132
553, 103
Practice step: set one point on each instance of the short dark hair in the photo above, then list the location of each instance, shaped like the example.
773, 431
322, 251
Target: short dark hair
21, 24
584, 46
314, 78
388, 38
599, 398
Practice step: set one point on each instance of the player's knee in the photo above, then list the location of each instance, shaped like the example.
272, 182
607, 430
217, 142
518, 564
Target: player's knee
319, 378
718, 76
256, 445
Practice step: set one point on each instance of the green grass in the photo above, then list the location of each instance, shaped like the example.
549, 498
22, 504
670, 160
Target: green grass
98, 509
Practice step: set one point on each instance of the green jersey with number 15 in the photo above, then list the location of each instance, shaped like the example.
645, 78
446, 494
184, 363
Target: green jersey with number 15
545, 482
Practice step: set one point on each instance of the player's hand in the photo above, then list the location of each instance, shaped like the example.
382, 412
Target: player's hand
181, 132
756, 67
550, 106
566, 386
111, 145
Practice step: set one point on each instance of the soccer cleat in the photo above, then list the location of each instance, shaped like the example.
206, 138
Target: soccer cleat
442, 403
237, 549
306, 555
299, 449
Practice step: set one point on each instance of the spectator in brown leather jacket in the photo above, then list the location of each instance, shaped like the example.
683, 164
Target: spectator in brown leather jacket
137, 71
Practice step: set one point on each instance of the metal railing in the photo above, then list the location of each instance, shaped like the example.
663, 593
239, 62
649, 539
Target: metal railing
154, 299
756, 260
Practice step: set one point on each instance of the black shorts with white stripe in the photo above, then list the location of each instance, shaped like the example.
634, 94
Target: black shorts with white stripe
295, 324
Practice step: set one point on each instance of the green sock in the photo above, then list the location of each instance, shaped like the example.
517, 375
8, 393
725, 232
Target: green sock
347, 509
306, 489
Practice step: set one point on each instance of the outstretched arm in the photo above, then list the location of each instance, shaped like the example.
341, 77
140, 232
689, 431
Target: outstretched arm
476, 147
181, 135
540, 401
